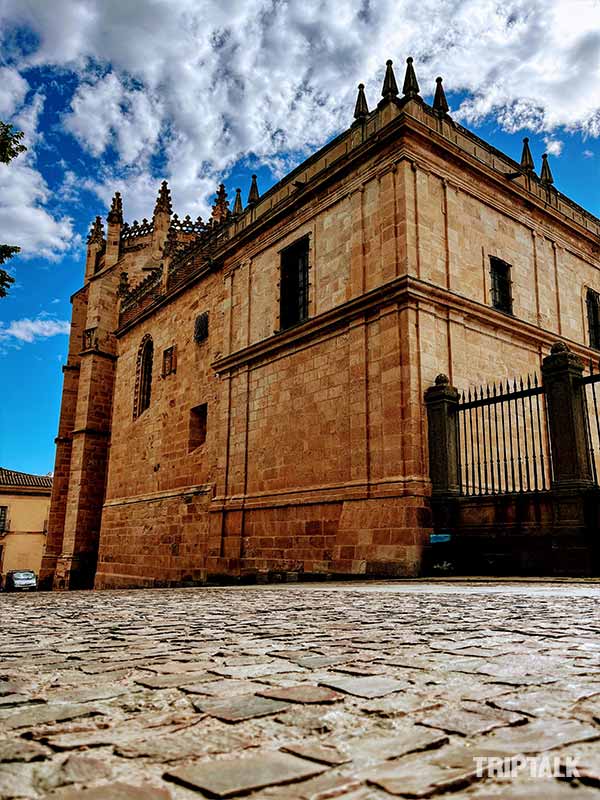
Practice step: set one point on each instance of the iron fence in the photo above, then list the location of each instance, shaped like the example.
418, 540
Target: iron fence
503, 441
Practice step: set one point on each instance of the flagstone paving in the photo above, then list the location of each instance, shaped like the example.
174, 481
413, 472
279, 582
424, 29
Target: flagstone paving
357, 691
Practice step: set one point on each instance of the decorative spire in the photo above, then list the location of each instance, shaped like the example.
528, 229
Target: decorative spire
390, 87
237, 206
115, 215
361, 109
527, 164
163, 201
97, 231
411, 85
253, 194
440, 104
220, 209
546, 174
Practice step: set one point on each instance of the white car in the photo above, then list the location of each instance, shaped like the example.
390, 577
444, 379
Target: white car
21, 580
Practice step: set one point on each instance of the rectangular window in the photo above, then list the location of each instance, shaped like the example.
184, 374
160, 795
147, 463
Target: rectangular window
198, 421
169, 361
593, 314
501, 285
3, 518
201, 328
294, 284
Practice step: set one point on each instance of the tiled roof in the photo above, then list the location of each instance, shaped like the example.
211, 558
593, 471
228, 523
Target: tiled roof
8, 477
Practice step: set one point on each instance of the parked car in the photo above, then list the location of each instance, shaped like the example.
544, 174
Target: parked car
20, 580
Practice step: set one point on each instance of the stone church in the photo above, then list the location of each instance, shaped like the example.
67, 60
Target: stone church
243, 396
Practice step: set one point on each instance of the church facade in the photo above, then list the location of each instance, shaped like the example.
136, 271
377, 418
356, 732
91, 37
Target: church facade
244, 396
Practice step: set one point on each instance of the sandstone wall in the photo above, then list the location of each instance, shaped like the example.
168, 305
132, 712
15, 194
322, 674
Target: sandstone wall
158, 535
315, 456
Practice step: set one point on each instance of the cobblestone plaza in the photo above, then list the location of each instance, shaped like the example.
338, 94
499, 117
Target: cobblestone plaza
331, 690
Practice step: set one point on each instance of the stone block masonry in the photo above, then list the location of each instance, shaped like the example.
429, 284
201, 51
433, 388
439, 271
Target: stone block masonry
312, 453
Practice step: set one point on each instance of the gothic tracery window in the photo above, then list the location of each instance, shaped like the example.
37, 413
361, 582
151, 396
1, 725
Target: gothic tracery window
143, 381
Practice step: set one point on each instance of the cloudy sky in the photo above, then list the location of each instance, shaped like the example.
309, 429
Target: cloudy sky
120, 94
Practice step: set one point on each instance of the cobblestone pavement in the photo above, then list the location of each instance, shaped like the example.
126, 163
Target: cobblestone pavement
350, 691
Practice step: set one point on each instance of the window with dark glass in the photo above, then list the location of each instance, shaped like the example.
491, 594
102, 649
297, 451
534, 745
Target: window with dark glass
501, 285
201, 328
144, 376
198, 424
294, 284
593, 314
3, 518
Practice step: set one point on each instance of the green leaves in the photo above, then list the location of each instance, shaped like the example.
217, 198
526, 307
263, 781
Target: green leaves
10, 143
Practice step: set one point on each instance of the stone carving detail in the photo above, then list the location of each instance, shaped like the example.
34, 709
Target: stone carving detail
135, 230
115, 215
220, 209
90, 340
149, 285
96, 233
163, 201
123, 289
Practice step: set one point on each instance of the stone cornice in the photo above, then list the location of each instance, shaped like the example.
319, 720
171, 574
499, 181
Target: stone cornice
91, 351
91, 432
313, 327
167, 494
404, 291
325, 493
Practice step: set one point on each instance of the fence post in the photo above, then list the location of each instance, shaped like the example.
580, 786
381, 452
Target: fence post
441, 401
572, 543
562, 371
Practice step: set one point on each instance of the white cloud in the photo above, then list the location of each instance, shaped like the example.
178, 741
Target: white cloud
29, 330
13, 89
24, 219
203, 84
588, 153
554, 147
106, 113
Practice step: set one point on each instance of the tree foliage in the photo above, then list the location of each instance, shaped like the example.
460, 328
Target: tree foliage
10, 147
10, 142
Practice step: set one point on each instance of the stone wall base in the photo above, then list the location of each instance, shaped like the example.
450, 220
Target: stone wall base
182, 541
536, 534
47, 570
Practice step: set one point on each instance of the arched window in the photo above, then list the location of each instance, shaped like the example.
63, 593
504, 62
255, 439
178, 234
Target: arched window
143, 377
593, 314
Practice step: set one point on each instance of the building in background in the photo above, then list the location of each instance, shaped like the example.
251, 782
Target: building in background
244, 395
24, 507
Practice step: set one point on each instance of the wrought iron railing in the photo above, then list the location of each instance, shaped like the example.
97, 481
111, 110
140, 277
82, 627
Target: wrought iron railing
503, 442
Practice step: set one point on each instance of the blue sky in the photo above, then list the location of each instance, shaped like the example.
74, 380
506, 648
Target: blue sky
119, 96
